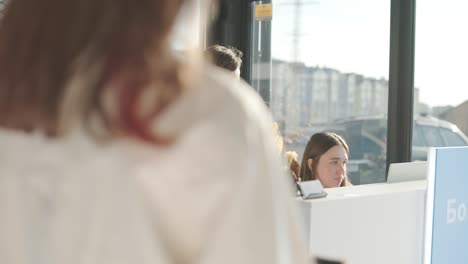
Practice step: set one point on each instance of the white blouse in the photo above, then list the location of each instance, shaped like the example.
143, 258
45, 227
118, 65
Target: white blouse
218, 195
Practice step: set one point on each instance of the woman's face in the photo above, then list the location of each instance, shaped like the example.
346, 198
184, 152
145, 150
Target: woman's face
331, 168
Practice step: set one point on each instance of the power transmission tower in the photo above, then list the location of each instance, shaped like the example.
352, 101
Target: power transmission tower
296, 34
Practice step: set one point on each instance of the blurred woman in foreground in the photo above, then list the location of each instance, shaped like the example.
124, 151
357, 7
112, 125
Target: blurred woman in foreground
115, 152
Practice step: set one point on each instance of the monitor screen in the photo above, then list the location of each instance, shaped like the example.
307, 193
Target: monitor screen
407, 171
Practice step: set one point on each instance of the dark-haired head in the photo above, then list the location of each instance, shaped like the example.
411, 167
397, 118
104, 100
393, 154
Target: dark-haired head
228, 58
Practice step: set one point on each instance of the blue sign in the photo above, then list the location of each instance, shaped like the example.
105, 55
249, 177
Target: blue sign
446, 230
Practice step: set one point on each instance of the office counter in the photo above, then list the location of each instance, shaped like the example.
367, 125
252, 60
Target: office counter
375, 223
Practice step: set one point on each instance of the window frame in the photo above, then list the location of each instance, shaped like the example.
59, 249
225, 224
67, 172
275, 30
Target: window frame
401, 68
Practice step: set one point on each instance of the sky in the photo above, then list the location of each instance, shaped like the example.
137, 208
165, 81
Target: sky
353, 36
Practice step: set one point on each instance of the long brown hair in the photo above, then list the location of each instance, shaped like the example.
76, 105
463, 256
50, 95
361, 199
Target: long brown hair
318, 144
45, 44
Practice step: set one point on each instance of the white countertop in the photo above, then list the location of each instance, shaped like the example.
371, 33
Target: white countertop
374, 223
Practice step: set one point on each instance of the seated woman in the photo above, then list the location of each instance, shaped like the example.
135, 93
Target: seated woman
324, 159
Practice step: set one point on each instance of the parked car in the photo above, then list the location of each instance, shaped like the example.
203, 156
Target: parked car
366, 138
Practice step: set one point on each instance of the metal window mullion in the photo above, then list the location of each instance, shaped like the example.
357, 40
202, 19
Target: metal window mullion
401, 81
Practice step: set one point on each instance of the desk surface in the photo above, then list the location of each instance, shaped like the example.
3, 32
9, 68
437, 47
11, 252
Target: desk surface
375, 223
377, 189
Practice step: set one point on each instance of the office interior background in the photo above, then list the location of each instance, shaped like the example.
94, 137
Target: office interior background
387, 75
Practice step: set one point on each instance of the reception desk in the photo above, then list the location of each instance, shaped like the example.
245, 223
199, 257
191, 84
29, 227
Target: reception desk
375, 223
